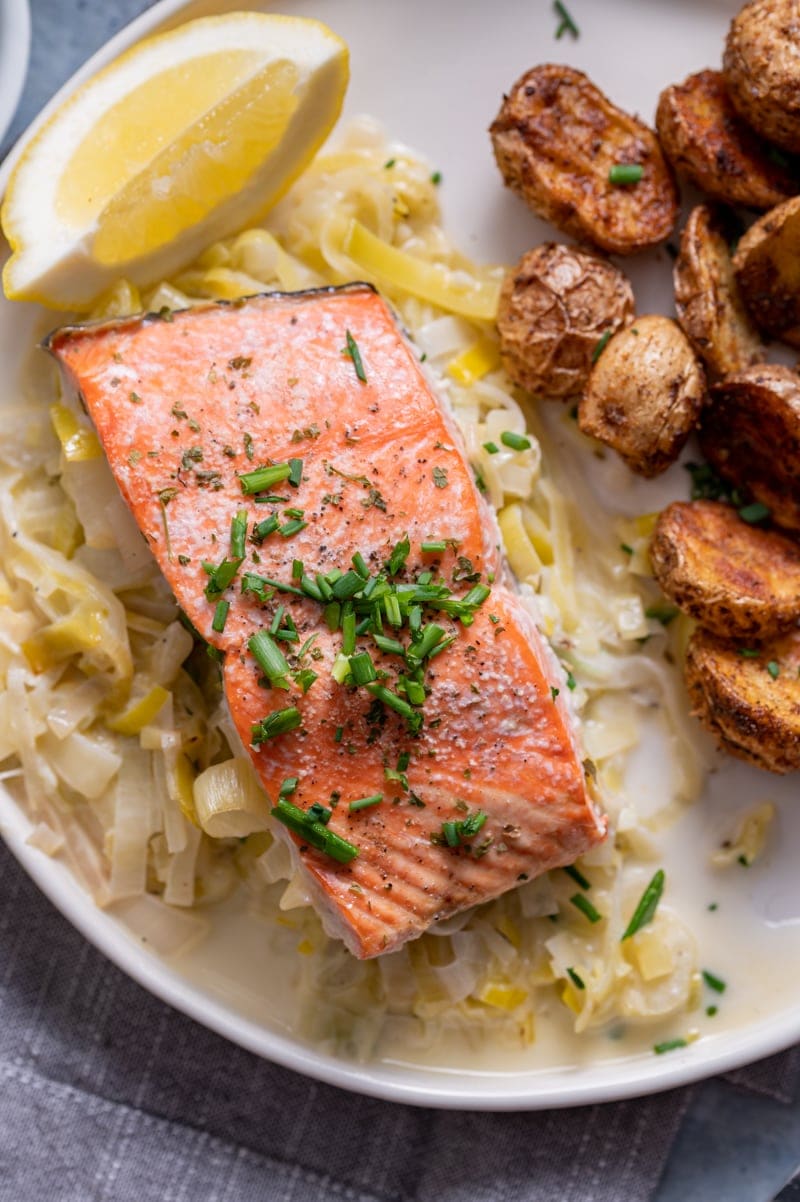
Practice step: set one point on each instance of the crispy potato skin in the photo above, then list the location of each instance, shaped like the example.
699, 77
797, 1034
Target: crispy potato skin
555, 139
737, 580
752, 716
704, 138
750, 432
554, 307
767, 268
710, 309
644, 394
761, 65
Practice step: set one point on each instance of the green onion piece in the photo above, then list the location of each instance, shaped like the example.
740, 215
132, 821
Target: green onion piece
323, 587
262, 529
279, 722
669, 1045
389, 646
304, 679
295, 472
578, 876
403, 760
450, 832
348, 585
470, 826
430, 638
575, 978
601, 345
398, 704
319, 813
310, 589
238, 534
220, 577
360, 565
517, 442
625, 173
586, 908
391, 606
774, 669
713, 982
355, 354
364, 803
414, 691
434, 547
476, 595
289, 785
754, 513
399, 556
362, 668
264, 477
268, 655
315, 833
648, 904
220, 616
253, 581
349, 633
491, 447
297, 569
292, 527
445, 643
332, 615
341, 669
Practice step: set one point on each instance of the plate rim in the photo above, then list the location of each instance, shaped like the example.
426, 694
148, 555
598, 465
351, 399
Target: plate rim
443, 1089
16, 15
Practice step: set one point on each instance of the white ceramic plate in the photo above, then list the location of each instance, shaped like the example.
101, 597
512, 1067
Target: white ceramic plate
15, 42
434, 73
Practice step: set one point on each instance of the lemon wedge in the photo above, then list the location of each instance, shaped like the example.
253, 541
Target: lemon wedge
185, 138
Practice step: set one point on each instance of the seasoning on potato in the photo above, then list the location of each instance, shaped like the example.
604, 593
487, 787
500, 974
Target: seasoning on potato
706, 141
644, 394
734, 578
761, 65
555, 307
748, 697
750, 433
766, 267
709, 306
582, 163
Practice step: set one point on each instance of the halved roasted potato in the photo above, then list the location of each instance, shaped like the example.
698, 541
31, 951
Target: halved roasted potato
748, 697
709, 306
555, 307
556, 138
767, 268
706, 141
736, 579
644, 394
750, 433
761, 65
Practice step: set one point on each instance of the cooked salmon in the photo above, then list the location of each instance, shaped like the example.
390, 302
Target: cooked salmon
294, 473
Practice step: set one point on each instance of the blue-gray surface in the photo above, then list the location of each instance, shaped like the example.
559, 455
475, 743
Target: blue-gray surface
105, 1093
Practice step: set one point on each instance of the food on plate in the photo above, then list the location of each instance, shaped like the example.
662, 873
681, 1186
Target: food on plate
748, 696
580, 162
734, 578
762, 69
765, 265
399, 568
750, 433
709, 307
644, 394
555, 307
118, 182
707, 142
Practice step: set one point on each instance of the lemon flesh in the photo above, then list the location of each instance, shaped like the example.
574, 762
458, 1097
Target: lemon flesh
181, 141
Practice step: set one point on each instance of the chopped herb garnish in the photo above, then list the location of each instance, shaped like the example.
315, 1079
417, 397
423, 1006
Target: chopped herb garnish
364, 803
337, 734
566, 23
355, 354
220, 616
220, 576
708, 486
669, 1045
582, 903
279, 722
491, 448
292, 527
626, 548
248, 446
554, 691
268, 656
601, 345
389, 163
436, 178
295, 472
362, 669
712, 1010
305, 678
399, 556
314, 832
749, 652
754, 513
440, 477
433, 547
571, 682
134, 398
578, 876
577, 981
265, 477
238, 534
625, 173
648, 904
517, 442
774, 669
714, 982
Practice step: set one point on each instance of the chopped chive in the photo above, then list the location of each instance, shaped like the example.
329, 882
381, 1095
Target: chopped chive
399, 556
337, 734
567, 25
317, 812
491, 447
297, 569
627, 549
268, 655
395, 703
756, 512
582, 903
389, 163
270, 498
714, 982
262, 530
332, 615
348, 634
391, 606
625, 173
389, 646
575, 978
278, 585
310, 589
220, 616
238, 534
294, 513
364, 803
347, 585
324, 588
436, 178
305, 678
436, 546
450, 832
774, 669
264, 477
292, 527
571, 682
360, 565
279, 722
712, 1010
289, 786
669, 1045
315, 833
601, 345
355, 354
362, 668
749, 652
341, 668
432, 635
295, 472
648, 904
517, 442
554, 691
220, 576
403, 760
578, 876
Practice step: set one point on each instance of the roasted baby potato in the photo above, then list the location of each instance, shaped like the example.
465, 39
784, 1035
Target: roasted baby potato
750, 433
766, 267
705, 140
554, 308
761, 65
748, 697
737, 580
644, 394
556, 139
710, 309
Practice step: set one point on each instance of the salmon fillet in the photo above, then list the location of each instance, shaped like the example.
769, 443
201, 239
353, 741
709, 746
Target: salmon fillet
482, 786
